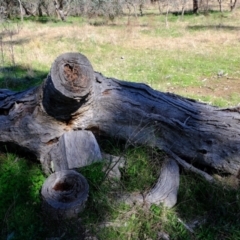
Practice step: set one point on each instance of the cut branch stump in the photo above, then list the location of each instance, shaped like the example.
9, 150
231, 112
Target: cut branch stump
64, 194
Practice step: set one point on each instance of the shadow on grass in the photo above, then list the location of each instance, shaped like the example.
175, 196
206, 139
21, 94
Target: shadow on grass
19, 78
19, 200
21, 216
46, 20
43, 19
216, 205
213, 27
15, 42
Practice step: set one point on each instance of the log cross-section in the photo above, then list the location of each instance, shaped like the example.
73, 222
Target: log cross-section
67, 86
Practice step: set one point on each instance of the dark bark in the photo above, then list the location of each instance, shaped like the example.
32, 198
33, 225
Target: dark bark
40, 13
233, 4
74, 98
195, 6
220, 5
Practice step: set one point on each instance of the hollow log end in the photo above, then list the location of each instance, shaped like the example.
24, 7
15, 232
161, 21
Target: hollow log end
64, 194
72, 74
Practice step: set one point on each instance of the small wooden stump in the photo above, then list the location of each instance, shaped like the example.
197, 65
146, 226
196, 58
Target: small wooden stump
64, 194
74, 149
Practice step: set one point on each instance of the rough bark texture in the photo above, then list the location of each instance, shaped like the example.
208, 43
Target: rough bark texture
195, 6
74, 98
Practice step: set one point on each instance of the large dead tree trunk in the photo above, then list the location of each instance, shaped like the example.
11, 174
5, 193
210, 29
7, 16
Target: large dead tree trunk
74, 98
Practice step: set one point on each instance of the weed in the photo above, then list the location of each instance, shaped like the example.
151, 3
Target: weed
141, 169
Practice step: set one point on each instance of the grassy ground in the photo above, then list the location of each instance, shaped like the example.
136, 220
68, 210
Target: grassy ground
196, 56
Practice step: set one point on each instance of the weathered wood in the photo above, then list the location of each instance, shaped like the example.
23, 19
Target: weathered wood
74, 149
166, 189
68, 85
35, 119
194, 131
74, 98
64, 194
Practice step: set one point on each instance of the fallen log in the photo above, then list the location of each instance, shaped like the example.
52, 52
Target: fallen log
75, 98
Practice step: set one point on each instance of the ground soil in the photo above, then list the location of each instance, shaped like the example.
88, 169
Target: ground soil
224, 87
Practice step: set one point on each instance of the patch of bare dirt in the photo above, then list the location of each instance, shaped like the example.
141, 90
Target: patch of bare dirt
224, 87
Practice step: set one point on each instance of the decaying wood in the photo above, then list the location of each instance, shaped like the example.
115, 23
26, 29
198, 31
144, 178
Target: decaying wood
74, 149
190, 167
75, 98
64, 194
166, 189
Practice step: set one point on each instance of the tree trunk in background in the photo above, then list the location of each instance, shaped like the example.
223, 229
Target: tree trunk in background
40, 13
233, 4
74, 98
21, 9
195, 6
220, 5
59, 11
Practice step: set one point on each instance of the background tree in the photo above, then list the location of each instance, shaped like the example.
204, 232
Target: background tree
233, 4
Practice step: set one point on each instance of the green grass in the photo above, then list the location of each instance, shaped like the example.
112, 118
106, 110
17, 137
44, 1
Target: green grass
193, 48
20, 183
20, 206
19, 78
217, 205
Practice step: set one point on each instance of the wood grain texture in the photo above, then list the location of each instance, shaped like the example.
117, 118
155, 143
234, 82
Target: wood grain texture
75, 149
194, 131
166, 189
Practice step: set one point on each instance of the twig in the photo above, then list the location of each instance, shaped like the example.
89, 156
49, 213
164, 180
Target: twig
185, 225
190, 167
